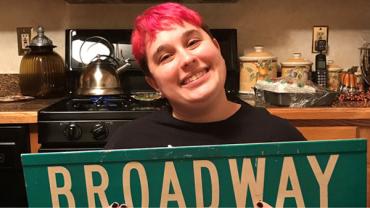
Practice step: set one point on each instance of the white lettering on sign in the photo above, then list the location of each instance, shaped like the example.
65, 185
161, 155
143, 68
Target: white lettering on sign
198, 165
92, 189
247, 179
65, 190
289, 173
126, 181
323, 178
170, 178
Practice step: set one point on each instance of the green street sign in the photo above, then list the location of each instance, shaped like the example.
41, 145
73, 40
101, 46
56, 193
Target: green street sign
284, 174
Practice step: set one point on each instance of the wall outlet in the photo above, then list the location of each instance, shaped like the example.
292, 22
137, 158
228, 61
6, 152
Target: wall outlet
24, 39
319, 33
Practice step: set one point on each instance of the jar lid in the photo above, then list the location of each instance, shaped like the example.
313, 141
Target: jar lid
333, 67
40, 39
258, 54
297, 60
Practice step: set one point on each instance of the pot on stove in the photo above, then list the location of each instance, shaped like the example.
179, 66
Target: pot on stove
101, 76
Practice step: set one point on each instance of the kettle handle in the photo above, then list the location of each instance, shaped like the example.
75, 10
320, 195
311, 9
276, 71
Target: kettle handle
124, 66
115, 61
109, 44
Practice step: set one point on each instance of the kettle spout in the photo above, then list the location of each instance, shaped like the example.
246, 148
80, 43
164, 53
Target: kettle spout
124, 66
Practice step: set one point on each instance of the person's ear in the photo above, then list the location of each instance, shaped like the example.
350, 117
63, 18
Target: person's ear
151, 81
216, 43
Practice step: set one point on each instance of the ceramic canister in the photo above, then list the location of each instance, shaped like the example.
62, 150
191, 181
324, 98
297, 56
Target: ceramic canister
256, 65
334, 76
297, 69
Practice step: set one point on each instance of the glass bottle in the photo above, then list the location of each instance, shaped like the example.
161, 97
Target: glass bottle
42, 72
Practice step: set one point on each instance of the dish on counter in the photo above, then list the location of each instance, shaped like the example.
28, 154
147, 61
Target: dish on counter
282, 92
146, 96
300, 99
15, 98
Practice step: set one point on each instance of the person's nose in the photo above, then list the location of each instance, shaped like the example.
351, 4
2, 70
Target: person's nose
187, 59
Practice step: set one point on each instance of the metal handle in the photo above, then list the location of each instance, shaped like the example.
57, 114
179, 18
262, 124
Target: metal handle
109, 44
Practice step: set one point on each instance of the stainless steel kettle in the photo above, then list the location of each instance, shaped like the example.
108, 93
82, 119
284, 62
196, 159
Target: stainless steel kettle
101, 76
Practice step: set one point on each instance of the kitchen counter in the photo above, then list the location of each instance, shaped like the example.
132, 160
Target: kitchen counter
23, 112
26, 112
342, 121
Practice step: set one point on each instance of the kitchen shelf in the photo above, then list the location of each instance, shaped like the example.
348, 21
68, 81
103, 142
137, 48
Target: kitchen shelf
145, 1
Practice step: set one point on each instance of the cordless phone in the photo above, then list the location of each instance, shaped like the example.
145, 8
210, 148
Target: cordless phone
321, 74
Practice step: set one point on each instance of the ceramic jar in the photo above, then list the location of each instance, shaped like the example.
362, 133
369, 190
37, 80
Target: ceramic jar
334, 76
296, 69
42, 71
256, 65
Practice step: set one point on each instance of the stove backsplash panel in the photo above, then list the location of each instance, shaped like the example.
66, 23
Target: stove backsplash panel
83, 44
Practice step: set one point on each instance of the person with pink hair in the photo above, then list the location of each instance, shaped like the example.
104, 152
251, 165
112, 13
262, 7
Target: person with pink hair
183, 62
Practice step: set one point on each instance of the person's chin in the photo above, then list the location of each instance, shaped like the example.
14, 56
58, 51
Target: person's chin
202, 94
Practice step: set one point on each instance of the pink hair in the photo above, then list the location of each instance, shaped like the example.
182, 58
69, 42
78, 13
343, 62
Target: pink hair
155, 19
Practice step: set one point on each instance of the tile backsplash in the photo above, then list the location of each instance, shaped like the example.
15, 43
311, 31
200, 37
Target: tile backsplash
9, 84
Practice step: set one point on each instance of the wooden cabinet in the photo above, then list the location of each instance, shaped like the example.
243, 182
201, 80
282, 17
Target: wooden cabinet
329, 132
13, 142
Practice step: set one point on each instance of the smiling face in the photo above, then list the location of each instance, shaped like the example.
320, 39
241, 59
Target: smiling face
186, 66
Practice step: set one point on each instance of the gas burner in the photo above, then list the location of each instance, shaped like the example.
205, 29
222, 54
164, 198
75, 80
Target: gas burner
113, 103
100, 103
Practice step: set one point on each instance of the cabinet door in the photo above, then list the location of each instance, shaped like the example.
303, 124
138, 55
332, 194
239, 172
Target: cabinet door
13, 142
329, 132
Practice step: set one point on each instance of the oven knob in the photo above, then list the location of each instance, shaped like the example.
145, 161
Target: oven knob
73, 131
99, 131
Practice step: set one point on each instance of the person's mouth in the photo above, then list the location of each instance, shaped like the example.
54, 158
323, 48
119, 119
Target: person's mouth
193, 77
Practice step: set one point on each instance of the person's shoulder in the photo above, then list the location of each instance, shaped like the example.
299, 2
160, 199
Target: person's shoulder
276, 126
247, 108
133, 132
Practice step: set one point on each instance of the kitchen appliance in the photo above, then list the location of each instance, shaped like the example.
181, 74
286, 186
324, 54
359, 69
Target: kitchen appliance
81, 122
42, 72
100, 77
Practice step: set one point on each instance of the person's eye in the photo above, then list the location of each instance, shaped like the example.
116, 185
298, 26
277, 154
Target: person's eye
164, 58
192, 43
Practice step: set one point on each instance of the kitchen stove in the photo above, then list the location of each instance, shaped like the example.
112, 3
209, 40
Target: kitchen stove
82, 123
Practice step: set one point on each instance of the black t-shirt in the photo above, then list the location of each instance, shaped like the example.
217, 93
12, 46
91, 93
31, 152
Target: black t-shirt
160, 129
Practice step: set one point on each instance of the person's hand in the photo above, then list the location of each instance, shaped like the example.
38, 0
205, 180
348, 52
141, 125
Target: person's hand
262, 204
117, 205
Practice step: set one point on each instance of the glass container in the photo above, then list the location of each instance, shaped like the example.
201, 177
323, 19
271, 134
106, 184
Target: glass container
42, 72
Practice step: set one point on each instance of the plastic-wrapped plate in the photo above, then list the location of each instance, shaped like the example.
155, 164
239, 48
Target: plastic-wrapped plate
300, 99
